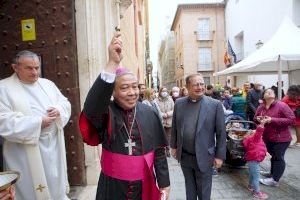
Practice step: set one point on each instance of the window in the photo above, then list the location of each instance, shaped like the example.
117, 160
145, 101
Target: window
203, 29
180, 60
206, 80
178, 33
204, 62
239, 46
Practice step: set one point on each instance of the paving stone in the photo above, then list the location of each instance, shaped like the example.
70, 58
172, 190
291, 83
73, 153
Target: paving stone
230, 184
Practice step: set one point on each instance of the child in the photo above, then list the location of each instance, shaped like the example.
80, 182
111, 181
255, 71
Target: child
227, 100
255, 153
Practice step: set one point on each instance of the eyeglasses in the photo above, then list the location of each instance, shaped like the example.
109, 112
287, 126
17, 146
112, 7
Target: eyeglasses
197, 84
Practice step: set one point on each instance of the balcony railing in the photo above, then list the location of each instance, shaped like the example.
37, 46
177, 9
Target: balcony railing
202, 67
204, 36
124, 5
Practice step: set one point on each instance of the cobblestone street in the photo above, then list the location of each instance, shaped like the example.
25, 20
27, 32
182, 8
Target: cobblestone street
110, 87
230, 184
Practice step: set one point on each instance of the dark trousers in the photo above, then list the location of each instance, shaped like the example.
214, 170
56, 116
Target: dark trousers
277, 151
250, 117
197, 183
168, 131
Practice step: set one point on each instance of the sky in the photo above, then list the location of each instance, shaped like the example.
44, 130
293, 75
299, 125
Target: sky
162, 13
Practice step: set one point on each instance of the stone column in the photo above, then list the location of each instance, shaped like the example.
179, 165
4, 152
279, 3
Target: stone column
94, 22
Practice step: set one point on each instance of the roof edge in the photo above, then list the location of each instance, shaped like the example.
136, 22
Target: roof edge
193, 6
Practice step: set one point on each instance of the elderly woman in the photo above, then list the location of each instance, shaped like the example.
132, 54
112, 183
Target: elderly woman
276, 135
175, 93
166, 106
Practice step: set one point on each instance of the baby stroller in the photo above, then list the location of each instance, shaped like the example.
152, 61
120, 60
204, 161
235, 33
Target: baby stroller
236, 128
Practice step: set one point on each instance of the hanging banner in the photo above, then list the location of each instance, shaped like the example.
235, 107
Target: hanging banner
28, 29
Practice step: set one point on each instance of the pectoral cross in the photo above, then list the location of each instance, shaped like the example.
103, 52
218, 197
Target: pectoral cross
40, 188
129, 145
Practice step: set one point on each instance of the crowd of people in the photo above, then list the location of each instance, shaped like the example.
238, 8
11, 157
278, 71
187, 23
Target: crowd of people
273, 117
138, 129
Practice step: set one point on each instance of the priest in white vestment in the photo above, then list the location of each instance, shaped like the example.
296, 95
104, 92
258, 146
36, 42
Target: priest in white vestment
33, 113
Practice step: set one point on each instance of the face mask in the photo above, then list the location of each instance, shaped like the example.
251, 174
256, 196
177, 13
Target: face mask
175, 94
164, 94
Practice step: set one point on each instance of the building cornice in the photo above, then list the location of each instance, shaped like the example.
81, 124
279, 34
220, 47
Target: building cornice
124, 5
181, 7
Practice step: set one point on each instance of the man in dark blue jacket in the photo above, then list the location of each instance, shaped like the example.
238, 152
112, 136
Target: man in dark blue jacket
253, 99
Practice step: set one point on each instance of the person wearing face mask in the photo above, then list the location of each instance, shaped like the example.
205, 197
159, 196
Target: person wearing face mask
253, 100
279, 117
175, 93
166, 106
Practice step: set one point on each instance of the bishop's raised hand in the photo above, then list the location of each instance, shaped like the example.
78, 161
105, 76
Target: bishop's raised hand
115, 53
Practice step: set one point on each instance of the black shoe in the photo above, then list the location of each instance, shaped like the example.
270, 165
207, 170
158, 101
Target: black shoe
215, 172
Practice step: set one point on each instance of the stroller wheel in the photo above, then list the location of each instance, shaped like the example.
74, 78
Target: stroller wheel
234, 162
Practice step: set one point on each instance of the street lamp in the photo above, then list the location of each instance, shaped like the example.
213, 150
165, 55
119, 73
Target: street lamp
259, 44
181, 66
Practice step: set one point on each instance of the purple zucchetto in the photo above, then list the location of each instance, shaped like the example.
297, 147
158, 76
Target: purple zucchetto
122, 70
